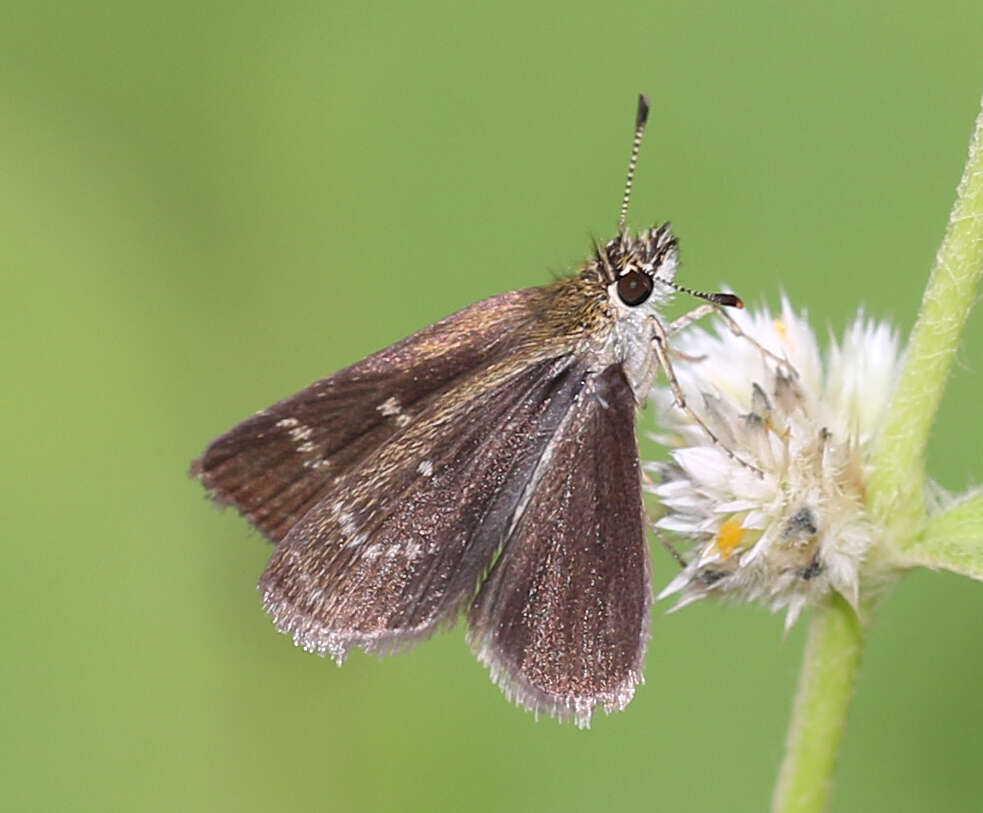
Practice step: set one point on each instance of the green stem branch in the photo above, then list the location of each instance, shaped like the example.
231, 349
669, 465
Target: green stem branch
953, 539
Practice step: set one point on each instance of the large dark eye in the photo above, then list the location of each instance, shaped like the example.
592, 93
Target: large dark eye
634, 287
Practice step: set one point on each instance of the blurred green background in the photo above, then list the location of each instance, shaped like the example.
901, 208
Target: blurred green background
206, 206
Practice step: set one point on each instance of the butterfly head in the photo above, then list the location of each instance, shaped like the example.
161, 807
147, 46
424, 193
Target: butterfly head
639, 270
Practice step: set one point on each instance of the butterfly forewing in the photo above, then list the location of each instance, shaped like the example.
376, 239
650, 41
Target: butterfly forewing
278, 464
562, 620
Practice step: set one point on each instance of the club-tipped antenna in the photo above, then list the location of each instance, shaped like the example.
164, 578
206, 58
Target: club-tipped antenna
640, 118
727, 300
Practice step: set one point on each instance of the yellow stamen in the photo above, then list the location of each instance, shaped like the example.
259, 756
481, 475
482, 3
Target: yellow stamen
729, 537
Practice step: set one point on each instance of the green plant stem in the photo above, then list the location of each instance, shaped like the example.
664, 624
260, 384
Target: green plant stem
826, 683
896, 483
895, 499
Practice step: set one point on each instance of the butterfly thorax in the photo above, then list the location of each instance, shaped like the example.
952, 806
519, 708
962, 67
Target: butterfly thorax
607, 310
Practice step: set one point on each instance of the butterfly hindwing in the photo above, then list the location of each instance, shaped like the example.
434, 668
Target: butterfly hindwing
399, 545
562, 619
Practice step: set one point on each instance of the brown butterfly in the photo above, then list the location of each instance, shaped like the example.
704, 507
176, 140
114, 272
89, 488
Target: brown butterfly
487, 463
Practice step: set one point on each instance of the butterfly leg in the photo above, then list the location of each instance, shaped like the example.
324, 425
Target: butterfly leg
681, 356
675, 554
687, 319
698, 313
738, 331
659, 344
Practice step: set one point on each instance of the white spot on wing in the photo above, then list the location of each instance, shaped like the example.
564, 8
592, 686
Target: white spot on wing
425, 468
391, 409
390, 406
347, 523
301, 432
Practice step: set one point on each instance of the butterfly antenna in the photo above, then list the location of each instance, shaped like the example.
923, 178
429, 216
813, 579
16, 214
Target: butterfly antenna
640, 118
727, 300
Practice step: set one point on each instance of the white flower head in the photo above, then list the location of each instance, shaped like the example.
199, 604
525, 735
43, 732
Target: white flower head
793, 528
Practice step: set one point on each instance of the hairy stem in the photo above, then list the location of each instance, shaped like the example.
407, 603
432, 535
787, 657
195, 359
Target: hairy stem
826, 683
895, 498
896, 482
